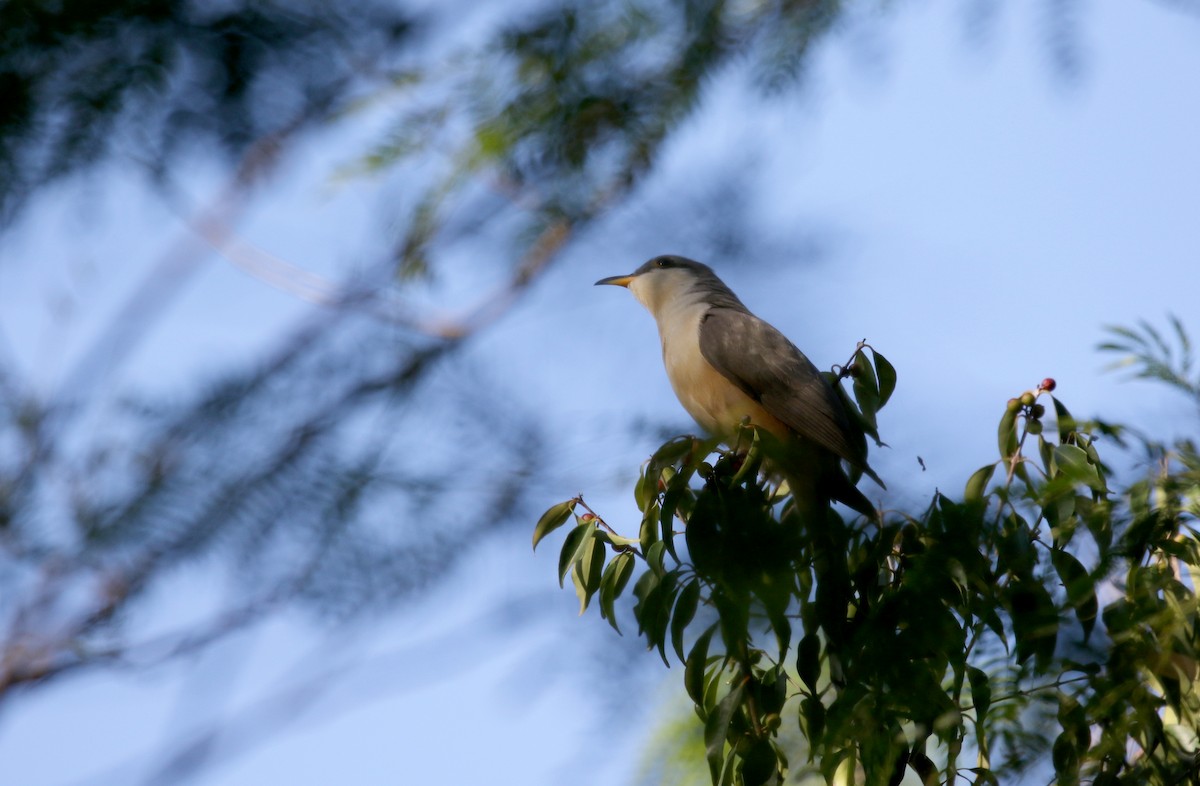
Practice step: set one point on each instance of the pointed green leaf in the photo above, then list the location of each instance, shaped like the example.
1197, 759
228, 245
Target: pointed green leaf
866, 388
648, 534
981, 694
645, 609
886, 374
644, 491
666, 518
656, 557
695, 666
685, 611
551, 520
1046, 452
616, 541
1073, 463
752, 460
1007, 434
668, 455
1081, 590
1063, 419
717, 727
977, 483
782, 628
760, 764
812, 720
657, 616
808, 661
727, 778
1034, 621
992, 619
580, 590
612, 584
859, 424
572, 548
591, 563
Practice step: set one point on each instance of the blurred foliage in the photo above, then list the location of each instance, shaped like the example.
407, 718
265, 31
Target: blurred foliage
82, 79
298, 476
294, 477
281, 474
1039, 615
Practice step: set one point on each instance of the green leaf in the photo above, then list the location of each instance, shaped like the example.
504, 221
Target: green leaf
977, 483
808, 661
995, 624
669, 454
666, 516
1063, 419
591, 568
866, 388
616, 541
685, 611
643, 609
812, 720
1015, 548
1081, 590
1034, 621
717, 727
648, 534
551, 520
580, 589
656, 596
666, 590
1073, 463
656, 557
645, 491
612, 584
860, 426
1046, 452
752, 460
923, 766
1093, 456
1007, 434
1066, 760
783, 628
981, 693
572, 548
886, 374
695, 666
759, 763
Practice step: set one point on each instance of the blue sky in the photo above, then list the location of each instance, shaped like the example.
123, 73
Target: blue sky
978, 218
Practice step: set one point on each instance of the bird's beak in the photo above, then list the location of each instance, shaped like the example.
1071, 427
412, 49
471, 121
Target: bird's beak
620, 281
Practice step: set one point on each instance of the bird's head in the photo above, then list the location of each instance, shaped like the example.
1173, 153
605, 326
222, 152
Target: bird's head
671, 280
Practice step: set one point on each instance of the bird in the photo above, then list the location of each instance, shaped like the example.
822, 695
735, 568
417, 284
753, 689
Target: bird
729, 367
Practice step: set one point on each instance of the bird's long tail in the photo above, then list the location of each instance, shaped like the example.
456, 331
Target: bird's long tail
815, 484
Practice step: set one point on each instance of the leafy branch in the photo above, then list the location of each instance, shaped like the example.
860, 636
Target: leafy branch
983, 609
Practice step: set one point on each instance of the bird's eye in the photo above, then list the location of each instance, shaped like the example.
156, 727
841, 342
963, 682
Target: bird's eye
663, 262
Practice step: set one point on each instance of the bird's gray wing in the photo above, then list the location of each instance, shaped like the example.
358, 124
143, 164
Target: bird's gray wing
771, 370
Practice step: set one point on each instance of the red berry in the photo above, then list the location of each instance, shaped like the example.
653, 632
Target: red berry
1048, 384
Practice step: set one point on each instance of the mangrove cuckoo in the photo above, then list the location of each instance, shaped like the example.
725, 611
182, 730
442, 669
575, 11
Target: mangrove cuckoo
727, 365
